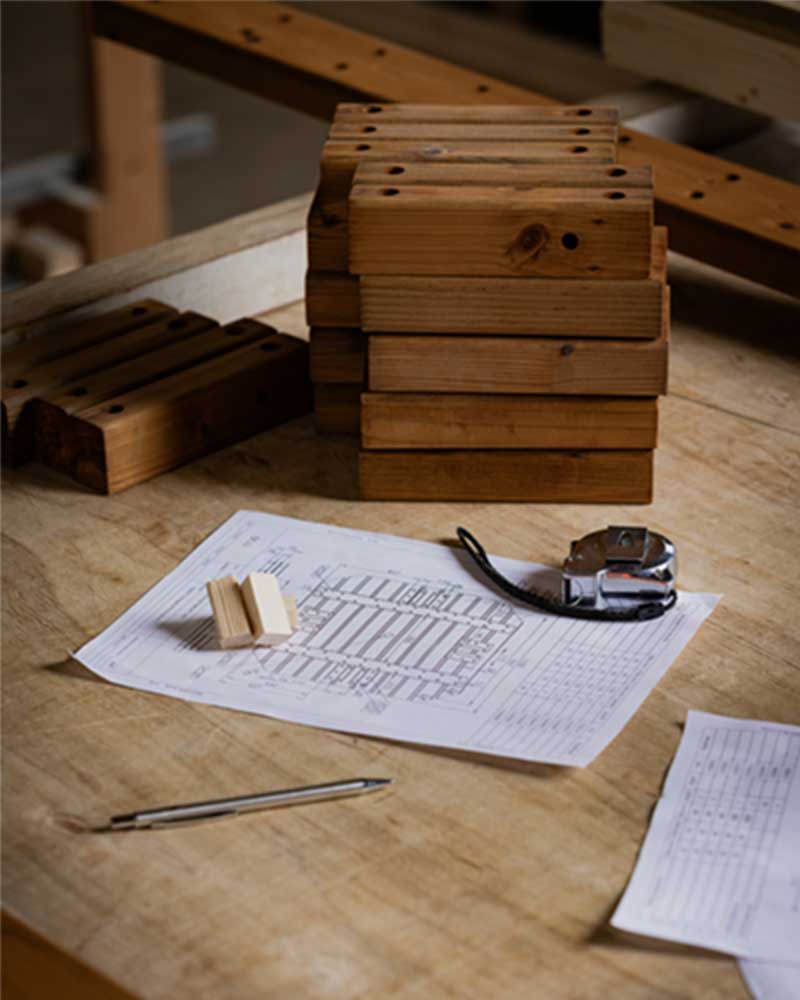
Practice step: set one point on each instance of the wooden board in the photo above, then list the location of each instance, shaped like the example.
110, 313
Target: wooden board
502, 174
401, 420
337, 407
337, 355
487, 131
741, 53
372, 113
74, 369
553, 232
146, 431
353, 893
545, 365
340, 158
516, 476
520, 306
742, 220
332, 299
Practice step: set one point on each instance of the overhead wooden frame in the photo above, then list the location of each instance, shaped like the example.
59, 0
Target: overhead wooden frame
717, 211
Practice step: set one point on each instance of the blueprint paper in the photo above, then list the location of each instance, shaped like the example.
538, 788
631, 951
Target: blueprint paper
771, 980
720, 866
397, 638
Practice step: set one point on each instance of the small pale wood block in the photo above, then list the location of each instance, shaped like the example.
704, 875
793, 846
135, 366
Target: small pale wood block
290, 603
519, 114
542, 232
337, 355
266, 610
409, 420
230, 617
514, 476
42, 252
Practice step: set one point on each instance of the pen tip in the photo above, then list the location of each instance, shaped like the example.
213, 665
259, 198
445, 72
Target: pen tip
377, 782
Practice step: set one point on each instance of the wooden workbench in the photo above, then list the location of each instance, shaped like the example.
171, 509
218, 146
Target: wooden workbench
471, 878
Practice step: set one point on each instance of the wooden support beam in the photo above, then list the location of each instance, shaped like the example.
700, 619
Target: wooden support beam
743, 53
717, 211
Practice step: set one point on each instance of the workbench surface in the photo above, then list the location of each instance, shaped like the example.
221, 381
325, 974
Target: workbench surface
470, 878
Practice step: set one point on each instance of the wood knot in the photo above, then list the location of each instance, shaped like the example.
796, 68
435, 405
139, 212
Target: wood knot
527, 245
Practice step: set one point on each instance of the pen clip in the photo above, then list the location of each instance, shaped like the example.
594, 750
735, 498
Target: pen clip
182, 821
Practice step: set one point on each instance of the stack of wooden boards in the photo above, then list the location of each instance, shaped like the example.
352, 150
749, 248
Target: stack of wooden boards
488, 303
254, 613
119, 398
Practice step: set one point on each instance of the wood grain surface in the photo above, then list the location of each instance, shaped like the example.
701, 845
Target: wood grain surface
548, 232
471, 878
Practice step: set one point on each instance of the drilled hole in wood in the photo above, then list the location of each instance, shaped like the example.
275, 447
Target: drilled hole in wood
370, 128
733, 177
617, 172
374, 109
697, 194
624, 138
390, 191
570, 241
583, 112
482, 88
579, 149
598, 222
594, 267
19, 383
176, 324
380, 52
250, 36
396, 170
79, 391
615, 195
787, 225
138, 311
285, 18
341, 65
567, 349
362, 147
583, 131
116, 408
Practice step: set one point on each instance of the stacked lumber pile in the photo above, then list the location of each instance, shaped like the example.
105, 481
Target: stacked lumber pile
116, 399
488, 303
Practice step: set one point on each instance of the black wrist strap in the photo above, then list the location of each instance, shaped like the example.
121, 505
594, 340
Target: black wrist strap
544, 602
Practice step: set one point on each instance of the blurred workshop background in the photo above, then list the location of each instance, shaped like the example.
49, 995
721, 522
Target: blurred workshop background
230, 152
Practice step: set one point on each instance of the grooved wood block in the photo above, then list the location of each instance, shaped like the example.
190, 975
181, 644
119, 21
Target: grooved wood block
337, 408
514, 476
338, 355
550, 232
521, 114
69, 369
400, 420
172, 419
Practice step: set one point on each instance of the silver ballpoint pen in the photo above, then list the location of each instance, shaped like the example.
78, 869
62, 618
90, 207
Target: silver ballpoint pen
220, 808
